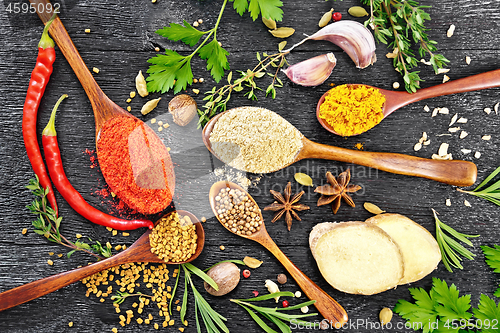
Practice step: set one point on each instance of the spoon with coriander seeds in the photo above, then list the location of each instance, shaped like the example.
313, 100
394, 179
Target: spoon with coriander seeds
258, 140
148, 248
352, 109
225, 194
134, 161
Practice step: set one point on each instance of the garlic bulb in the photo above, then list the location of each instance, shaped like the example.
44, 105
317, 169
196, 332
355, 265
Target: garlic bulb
353, 37
312, 72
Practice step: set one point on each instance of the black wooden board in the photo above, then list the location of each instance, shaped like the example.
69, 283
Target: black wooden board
122, 38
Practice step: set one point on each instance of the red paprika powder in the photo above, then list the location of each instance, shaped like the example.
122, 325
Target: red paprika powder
136, 164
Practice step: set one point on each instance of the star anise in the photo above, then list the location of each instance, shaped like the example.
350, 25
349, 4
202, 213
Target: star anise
336, 189
286, 205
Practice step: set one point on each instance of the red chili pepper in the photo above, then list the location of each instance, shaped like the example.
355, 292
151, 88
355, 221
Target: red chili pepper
39, 79
62, 184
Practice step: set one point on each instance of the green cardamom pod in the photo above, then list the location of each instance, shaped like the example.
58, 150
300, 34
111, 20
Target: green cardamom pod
271, 24
303, 179
357, 11
282, 32
281, 45
325, 19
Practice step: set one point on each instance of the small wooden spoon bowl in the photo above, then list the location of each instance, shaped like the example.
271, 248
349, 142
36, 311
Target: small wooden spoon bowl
397, 99
326, 305
140, 251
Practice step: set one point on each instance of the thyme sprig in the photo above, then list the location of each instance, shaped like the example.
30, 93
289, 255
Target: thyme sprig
398, 23
451, 250
491, 193
276, 315
217, 99
48, 224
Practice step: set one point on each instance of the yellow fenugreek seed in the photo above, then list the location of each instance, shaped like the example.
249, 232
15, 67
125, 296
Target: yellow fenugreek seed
185, 322
114, 330
129, 108
139, 320
118, 247
122, 318
95, 70
132, 94
222, 247
79, 236
51, 253
50, 262
156, 326
181, 329
70, 324
178, 308
25, 230
135, 305
126, 233
129, 100
60, 255
109, 228
102, 300
108, 245
171, 322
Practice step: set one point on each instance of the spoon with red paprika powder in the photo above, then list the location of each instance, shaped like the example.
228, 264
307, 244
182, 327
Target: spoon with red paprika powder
140, 251
134, 161
350, 122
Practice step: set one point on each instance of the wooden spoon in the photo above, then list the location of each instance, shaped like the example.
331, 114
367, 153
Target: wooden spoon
398, 99
104, 108
140, 251
326, 305
459, 173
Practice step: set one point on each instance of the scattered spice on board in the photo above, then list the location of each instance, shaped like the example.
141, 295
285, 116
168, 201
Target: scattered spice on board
237, 212
136, 165
352, 109
255, 140
173, 239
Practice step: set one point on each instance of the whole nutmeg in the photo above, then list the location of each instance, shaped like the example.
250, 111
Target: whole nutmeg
227, 277
281, 278
183, 109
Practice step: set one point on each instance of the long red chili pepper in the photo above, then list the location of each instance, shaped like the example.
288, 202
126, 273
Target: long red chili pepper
39, 79
62, 184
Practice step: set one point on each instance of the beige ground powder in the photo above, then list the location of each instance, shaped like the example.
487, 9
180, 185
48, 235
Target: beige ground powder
255, 140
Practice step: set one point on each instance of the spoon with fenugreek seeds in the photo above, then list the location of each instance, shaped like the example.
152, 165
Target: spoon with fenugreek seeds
258, 140
228, 200
140, 251
356, 120
134, 161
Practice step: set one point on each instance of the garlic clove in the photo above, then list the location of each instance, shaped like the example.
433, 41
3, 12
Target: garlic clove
312, 72
353, 37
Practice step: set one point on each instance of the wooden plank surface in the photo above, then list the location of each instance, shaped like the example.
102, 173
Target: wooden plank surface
122, 39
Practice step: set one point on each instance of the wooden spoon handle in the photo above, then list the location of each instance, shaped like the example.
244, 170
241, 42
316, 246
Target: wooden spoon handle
326, 305
481, 81
459, 173
38, 288
61, 37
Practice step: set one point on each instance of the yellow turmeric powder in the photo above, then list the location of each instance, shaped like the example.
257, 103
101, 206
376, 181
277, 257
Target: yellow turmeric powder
352, 109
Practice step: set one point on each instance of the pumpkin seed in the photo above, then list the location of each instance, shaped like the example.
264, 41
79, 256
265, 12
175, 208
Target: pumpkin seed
325, 19
373, 208
282, 32
271, 24
303, 179
357, 11
281, 45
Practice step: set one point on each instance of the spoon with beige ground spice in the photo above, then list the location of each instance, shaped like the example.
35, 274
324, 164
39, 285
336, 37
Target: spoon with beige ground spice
177, 228
238, 212
258, 140
352, 109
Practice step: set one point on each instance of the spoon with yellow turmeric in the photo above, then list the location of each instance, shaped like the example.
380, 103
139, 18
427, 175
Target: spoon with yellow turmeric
353, 109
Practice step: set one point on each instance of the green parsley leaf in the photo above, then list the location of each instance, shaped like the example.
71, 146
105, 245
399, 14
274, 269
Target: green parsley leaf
487, 314
186, 33
492, 257
169, 70
267, 8
216, 59
240, 6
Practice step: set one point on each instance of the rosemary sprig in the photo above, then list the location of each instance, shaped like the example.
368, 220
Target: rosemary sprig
48, 223
217, 99
451, 250
398, 23
274, 314
120, 297
213, 321
491, 193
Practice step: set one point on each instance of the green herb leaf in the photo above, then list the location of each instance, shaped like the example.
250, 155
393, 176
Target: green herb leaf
259, 321
186, 33
267, 8
487, 311
268, 296
216, 59
184, 298
174, 290
201, 274
449, 247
